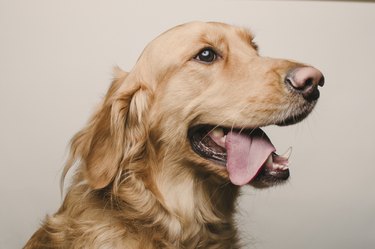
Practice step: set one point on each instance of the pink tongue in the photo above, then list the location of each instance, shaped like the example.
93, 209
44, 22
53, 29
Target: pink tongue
246, 154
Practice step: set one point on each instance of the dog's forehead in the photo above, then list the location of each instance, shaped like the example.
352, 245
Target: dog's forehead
209, 32
184, 40
173, 48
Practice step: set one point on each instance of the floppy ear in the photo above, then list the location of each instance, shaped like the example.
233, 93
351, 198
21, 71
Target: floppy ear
116, 134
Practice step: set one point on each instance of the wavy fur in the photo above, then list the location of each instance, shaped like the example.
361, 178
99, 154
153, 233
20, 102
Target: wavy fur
138, 183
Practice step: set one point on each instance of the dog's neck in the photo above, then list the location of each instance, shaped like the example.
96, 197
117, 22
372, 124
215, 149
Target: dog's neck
184, 208
195, 202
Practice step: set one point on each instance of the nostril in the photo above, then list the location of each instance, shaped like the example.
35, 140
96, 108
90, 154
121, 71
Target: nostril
304, 77
288, 81
321, 81
297, 84
305, 81
309, 82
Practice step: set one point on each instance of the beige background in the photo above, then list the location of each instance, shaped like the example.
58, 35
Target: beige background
55, 65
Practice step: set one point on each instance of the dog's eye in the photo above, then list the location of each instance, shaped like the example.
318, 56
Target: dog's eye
207, 55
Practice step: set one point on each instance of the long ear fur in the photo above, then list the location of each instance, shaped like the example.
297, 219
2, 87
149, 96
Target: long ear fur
116, 134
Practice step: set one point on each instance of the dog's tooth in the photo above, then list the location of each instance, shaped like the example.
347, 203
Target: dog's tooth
218, 132
287, 153
223, 139
284, 167
276, 166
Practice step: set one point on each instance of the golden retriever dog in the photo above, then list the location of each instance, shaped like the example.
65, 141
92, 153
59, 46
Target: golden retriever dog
161, 162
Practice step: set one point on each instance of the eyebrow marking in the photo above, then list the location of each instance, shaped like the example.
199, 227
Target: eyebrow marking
215, 41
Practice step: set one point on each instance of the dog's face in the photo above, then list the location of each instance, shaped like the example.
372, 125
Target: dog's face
198, 96
213, 92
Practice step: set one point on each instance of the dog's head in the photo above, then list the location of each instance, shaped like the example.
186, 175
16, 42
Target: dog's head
197, 98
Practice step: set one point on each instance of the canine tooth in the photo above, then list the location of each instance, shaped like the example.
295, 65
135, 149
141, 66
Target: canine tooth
218, 132
287, 153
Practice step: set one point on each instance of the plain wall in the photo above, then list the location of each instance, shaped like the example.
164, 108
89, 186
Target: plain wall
56, 59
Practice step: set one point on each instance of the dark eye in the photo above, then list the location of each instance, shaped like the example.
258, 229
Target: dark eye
206, 55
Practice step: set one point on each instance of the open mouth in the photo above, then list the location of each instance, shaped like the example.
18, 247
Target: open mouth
247, 154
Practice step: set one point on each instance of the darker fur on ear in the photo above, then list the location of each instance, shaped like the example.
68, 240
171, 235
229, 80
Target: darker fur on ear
116, 134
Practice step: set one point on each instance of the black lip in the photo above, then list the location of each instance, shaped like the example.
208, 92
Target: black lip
204, 146
267, 178
297, 117
293, 119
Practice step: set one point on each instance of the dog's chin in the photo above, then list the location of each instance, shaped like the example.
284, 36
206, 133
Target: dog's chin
208, 143
300, 112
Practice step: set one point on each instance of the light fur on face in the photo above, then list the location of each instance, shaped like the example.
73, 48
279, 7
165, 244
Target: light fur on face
139, 184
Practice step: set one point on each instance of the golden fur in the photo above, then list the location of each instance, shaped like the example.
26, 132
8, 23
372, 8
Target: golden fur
138, 183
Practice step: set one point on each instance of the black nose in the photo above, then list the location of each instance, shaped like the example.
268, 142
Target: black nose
305, 80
